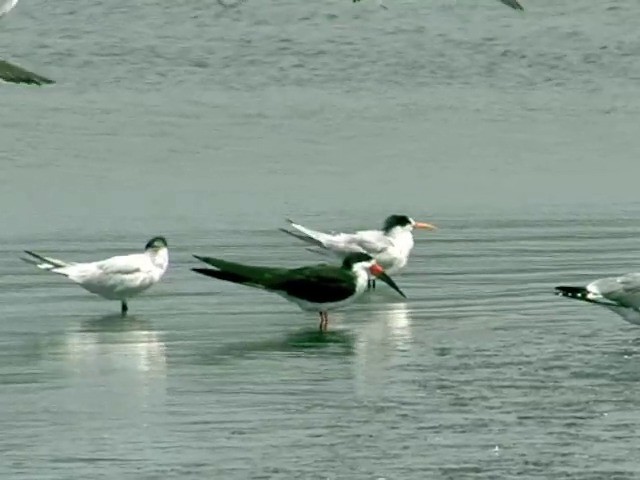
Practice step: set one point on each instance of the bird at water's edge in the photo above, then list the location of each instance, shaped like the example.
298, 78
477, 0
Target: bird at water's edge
318, 288
390, 246
116, 278
618, 294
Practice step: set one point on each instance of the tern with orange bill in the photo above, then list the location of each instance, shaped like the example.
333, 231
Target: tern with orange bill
390, 246
318, 288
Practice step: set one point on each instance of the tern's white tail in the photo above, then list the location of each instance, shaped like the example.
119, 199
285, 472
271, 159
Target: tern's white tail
307, 235
44, 263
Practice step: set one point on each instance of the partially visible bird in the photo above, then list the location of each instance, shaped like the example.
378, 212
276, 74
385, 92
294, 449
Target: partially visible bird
510, 3
619, 294
13, 73
390, 246
318, 288
116, 278
379, 3
6, 6
513, 4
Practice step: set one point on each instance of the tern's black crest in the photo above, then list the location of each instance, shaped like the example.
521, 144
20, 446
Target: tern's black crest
353, 258
156, 242
394, 221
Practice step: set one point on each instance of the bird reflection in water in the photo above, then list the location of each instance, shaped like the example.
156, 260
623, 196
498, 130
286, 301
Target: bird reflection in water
380, 345
307, 342
124, 356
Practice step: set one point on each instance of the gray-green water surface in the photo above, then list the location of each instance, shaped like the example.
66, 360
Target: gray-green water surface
516, 133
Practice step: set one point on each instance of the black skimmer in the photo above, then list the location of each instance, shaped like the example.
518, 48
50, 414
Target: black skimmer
619, 294
116, 278
318, 288
390, 246
13, 73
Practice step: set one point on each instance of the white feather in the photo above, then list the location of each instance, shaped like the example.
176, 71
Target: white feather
116, 278
618, 294
391, 250
6, 6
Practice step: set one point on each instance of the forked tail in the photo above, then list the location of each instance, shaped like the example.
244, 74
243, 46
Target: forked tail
305, 234
44, 263
302, 237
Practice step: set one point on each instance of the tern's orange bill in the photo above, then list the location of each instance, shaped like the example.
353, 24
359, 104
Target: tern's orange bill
424, 225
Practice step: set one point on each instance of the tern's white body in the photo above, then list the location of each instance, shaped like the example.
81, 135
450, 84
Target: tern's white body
116, 278
391, 250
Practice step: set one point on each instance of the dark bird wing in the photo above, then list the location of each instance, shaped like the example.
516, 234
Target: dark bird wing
260, 277
513, 4
15, 74
318, 283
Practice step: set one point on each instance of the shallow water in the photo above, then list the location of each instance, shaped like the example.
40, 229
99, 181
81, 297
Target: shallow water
515, 134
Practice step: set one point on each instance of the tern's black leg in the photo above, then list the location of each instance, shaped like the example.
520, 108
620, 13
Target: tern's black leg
373, 283
321, 320
124, 308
